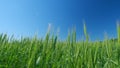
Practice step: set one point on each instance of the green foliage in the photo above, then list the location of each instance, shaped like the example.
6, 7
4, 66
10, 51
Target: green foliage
85, 33
118, 30
53, 53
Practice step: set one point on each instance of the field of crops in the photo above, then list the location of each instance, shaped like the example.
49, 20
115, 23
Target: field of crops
53, 53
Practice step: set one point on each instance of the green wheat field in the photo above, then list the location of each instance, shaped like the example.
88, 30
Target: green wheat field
50, 52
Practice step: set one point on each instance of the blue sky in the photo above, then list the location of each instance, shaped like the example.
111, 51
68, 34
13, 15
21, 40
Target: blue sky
26, 17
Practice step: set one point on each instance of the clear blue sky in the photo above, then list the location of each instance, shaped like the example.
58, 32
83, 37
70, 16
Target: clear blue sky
25, 17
